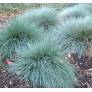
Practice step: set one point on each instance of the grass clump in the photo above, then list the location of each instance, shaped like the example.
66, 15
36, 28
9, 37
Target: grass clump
42, 66
76, 35
17, 35
44, 17
76, 11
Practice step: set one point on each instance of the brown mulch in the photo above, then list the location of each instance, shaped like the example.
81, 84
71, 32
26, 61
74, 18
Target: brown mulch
84, 66
7, 81
4, 19
85, 79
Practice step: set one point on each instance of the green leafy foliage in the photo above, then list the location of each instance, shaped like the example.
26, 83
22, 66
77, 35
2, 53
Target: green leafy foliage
44, 17
17, 35
76, 35
42, 66
9, 8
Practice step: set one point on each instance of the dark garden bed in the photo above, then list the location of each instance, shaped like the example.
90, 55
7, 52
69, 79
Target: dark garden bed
84, 66
7, 81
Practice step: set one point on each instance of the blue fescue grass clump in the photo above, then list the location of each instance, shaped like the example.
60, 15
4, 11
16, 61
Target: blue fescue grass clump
17, 34
42, 66
76, 11
40, 61
87, 6
43, 17
76, 35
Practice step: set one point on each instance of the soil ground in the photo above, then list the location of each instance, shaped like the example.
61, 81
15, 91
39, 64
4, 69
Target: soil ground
7, 81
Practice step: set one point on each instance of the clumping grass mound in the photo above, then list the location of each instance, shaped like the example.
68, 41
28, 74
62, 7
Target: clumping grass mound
17, 34
87, 7
76, 35
43, 17
76, 11
42, 66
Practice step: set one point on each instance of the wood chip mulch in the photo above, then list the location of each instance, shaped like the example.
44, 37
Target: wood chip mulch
7, 81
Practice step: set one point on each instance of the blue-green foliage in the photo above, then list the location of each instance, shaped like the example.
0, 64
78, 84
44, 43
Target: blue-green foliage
43, 17
76, 11
1, 63
42, 66
40, 61
76, 35
17, 34
88, 7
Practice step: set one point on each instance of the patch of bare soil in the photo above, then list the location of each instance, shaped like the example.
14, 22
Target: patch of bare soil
84, 66
7, 81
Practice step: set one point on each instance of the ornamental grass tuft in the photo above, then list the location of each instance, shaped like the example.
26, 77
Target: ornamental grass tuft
42, 66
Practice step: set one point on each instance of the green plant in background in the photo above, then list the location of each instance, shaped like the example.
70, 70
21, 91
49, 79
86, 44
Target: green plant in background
56, 6
11, 8
76, 35
44, 17
42, 66
17, 34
